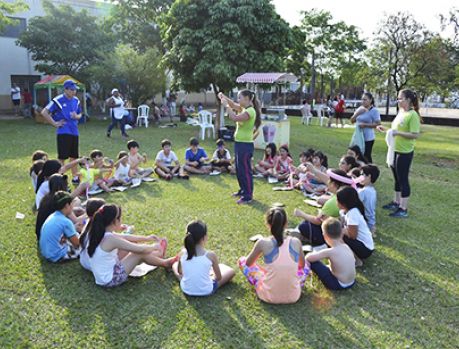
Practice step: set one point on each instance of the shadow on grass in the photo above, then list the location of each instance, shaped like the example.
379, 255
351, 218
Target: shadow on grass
225, 319
134, 312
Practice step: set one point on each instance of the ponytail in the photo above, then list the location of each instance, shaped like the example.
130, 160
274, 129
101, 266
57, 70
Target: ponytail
101, 220
50, 167
276, 218
256, 105
413, 97
92, 205
195, 232
349, 198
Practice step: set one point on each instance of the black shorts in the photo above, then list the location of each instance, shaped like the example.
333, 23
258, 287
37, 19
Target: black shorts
16, 101
67, 147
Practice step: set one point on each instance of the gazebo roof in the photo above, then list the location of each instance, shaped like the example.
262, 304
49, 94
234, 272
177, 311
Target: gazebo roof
55, 80
266, 78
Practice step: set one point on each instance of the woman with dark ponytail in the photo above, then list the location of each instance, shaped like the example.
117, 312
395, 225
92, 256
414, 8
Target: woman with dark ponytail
405, 129
198, 269
113, 256
248, 120
367, 117
281, 278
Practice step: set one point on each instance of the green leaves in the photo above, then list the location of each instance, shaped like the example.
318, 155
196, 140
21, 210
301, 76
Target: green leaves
64, 41
212, 42
10, 8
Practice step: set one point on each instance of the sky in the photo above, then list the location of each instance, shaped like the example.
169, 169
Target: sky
367, 14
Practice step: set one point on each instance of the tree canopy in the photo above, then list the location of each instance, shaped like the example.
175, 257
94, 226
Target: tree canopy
65, 41
10, 8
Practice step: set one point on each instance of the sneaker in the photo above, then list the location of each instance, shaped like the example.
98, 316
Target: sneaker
108, 134
237, 194
76, 180
214, 173
400, 213
391, 206
243, 201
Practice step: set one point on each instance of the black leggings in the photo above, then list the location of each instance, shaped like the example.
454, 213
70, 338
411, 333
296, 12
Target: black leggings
401, 170
368, 150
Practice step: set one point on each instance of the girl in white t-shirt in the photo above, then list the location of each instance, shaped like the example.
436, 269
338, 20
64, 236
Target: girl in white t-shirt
357, 235
113, 256
123, 173
198, 269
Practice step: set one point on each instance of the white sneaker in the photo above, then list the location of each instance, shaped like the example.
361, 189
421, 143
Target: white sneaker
214, 173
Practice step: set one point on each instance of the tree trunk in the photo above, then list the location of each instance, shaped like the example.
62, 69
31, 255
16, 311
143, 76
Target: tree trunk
312, 88
321, 86
219, 108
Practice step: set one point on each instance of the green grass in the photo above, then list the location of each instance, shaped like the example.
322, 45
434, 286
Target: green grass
407, 294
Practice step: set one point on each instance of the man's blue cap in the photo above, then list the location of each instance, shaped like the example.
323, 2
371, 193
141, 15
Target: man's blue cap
70, 84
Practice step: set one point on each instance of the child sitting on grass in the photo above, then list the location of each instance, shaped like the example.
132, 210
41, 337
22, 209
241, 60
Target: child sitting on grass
368, 194
309, 181
221, 159
123, 173
195, 158
198, 269
356, 153
58, 237
269, 157
92, 177
281, 169
167, 163
356, 232
112, 256
92, 205
340, 275
135, 159
299, 172
38, 159
281, 278
347, 164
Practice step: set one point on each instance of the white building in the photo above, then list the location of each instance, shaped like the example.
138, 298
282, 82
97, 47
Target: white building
16, 66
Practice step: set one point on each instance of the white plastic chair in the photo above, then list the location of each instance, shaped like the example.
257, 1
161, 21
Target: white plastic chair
143, 112
205, 122
321, 115
306, 119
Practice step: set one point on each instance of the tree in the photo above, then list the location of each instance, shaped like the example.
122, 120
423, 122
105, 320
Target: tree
332, 45
400, 39
135, 21
438, 60
139, 74
64, 41
451, 20
10, 8
211, 42
297, 57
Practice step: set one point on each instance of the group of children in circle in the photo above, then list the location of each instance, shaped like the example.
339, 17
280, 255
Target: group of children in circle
70, 225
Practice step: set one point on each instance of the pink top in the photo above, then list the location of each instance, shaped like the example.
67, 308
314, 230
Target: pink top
280, 284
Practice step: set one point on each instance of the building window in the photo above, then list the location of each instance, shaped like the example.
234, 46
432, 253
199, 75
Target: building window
15, 30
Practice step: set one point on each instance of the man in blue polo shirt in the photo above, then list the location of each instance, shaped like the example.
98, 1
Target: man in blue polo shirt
63, 112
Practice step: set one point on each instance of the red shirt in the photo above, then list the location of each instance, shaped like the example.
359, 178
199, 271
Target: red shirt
27, 97
340, 107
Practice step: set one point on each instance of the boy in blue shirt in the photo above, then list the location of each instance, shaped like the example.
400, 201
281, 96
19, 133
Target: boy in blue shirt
368, 195
59, 239
195, 158
64, 112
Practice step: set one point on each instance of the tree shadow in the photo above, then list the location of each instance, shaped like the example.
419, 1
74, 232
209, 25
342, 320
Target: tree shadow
134, 312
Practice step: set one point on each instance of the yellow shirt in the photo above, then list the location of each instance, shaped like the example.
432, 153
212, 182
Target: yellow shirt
244, 129
409, 121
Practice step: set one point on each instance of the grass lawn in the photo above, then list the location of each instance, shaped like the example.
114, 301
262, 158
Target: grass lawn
406, 296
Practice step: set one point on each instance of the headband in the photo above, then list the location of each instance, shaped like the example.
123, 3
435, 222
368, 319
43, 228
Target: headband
63, 198
341, 179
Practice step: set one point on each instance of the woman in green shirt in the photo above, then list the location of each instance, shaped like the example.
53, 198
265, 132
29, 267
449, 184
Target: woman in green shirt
406, 128
247, 115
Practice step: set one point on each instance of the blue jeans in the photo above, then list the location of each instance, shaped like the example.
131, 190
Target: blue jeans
122, 123
243, 156
325, 275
